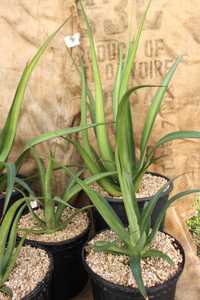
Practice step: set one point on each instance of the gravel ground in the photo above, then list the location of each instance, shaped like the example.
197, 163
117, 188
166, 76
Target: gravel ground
75, 227
115, 268
31, 267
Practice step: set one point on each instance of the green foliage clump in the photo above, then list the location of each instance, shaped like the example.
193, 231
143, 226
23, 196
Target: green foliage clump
9, 251
53, 205
194, 225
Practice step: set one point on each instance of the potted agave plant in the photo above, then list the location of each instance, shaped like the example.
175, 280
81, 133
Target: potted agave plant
103, 159
194, 226
138, 261
59, 227
25, 272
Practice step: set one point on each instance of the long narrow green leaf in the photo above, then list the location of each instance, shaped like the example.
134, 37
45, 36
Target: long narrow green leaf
138, 177
72, 183
6, 224
129, 200
147, 211
149, 160
91, 104
92, 179
124, 137
155, 107
78, 211
40, 167
77, 188
49, 211
91, 108
12, 239
48, 136
40, 231
126, 165
127, 132
10, 182
106, 211
140, 245
8, 133
163, 211
110, 247
48, 179
24, 185
157, 253
32, 211
177, 135
135, 264
130, 137
117, 84
13, 259
96, 168
131, 55
102, 135
84, 133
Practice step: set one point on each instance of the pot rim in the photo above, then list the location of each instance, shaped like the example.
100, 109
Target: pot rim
135, 291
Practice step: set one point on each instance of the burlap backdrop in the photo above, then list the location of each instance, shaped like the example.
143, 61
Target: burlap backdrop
52, 99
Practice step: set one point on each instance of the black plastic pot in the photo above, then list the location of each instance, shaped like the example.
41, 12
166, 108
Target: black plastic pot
43, 289
69, 276
105, 290
118, 206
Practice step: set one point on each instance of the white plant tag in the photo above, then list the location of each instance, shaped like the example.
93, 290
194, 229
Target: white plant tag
72, 41
34, 204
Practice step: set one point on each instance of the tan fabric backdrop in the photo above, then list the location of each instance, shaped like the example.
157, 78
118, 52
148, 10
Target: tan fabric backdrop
52, 98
